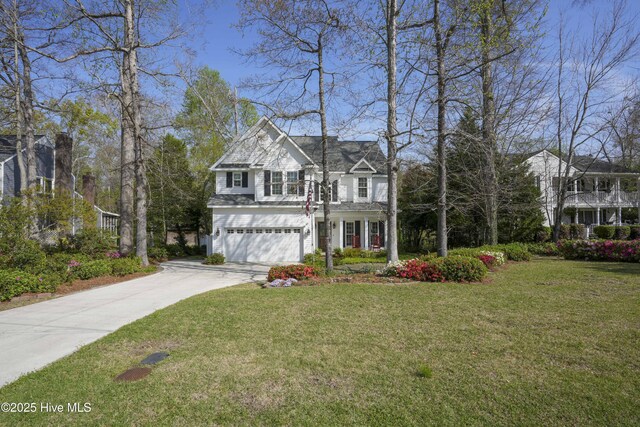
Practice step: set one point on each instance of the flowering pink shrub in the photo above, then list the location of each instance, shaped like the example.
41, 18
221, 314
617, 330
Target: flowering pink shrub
601, 250
293, 271
416, 269
488, 260
73, 263
113, 255
453, 269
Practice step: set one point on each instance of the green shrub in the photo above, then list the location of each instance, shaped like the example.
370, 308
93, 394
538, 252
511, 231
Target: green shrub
544, 249
338, 253
315, 259
634, 231
124, 266
16, 282
352, 252
93, 242
515, 252
174, 250
214, 259
158, 253
603, 231
622, 232
543, 235
461, 269
91, 269
27, 255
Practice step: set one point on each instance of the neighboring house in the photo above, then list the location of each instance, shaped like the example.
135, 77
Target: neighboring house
263, 182
597, 190
53, 168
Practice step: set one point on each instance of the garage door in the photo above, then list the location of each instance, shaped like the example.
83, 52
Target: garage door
267, 245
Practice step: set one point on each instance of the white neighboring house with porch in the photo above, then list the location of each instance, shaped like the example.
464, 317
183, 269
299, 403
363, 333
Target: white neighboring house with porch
597, 190
263, 182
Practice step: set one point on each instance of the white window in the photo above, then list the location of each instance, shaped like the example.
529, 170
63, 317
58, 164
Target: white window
276, 183
237, 179
374, 228
230, 231
292, 183
278, 231
287, 231
268, 230
258, 230
239, 231
296, 230
250, 231
363, 189
349, 233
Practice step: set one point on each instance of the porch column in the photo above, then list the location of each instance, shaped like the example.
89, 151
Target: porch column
597, 216
619, 215
575, 196
365, 237
575, 217
341, 232
618, 190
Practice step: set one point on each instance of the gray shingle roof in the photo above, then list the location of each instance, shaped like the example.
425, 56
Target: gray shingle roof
343, 155
8, 145
590, 164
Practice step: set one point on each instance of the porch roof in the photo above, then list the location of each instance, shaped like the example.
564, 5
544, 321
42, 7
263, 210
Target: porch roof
248, 200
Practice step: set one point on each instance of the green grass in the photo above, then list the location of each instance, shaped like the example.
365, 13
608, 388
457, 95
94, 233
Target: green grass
549, 342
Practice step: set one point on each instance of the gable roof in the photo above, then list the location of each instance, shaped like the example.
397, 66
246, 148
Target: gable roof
343, 155
8, 145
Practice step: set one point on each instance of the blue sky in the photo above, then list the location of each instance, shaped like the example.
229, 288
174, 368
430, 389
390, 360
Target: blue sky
217, 36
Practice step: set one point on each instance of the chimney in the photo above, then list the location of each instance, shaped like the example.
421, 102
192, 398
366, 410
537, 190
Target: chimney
63, 178
89, 188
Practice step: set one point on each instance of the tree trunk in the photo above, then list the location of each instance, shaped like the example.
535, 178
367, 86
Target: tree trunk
19, 120
326, 206
127, 151
488, 129
392, 132
27, 102
442, 238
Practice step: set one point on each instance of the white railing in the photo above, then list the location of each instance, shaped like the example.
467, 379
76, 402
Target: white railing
602, 198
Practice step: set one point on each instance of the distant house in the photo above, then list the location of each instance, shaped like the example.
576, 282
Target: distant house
597, 190
268, 206
53, 169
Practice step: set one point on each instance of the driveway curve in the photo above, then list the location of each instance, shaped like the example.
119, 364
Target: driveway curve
33, 336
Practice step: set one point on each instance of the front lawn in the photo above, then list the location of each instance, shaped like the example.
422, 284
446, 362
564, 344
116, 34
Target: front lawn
549, 342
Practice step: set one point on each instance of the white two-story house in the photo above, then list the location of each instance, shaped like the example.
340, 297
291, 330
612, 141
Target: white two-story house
597, 190
268, 206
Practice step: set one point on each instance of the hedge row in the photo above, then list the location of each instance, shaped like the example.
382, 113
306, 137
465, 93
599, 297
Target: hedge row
61, 268
451, 268
617, 232
601, 250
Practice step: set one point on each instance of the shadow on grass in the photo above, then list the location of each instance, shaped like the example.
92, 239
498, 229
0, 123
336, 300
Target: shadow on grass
625, 268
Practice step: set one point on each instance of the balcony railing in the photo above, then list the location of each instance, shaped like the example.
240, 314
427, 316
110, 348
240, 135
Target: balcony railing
602, 198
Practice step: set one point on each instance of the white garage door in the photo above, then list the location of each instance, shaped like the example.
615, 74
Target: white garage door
267, 245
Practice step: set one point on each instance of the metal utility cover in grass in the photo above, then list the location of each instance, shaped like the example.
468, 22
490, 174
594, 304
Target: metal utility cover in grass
154, 358
133, 374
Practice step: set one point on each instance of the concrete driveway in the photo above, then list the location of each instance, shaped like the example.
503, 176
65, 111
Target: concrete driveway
33, 336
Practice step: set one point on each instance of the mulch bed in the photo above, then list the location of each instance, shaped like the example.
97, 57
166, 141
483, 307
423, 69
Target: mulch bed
69, 288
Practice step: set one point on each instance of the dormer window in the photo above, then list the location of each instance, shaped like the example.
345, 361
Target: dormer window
237, 179
363, 187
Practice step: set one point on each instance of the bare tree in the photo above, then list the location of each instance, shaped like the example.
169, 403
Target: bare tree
295, 38
584, 88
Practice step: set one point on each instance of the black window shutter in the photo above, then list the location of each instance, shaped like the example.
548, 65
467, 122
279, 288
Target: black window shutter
334, 191
267, 183
316, 191
357, 228
229, 179
245, 179
381, 231
301, 182
344, 234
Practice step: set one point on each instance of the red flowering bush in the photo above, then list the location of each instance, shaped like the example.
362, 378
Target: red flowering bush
601, 250
293, 271
416, 269
452, 268
488, 260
